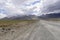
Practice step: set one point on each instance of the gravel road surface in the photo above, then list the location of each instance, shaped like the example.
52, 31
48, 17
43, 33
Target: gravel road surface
41, 30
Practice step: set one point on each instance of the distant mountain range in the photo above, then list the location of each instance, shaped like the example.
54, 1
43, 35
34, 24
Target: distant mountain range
25, 17
32, 17
51, 15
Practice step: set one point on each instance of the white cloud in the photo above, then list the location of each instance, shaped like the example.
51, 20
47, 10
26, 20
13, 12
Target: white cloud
32, 7
17, 7
10, 8
2, 15
28, 7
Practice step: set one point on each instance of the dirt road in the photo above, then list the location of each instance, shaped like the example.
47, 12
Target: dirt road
42, 30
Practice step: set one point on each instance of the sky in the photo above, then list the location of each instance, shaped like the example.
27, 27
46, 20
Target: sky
9, 8
50, 6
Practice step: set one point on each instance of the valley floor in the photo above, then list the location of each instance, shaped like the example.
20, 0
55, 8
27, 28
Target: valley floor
40, 30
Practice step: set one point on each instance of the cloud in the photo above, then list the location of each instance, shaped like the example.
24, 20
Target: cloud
33, 7
50, 6
32, 3
10, 8
28, 7
54, 7
18, 7
2, 15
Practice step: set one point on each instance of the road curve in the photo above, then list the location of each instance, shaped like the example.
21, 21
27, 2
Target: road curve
42, 30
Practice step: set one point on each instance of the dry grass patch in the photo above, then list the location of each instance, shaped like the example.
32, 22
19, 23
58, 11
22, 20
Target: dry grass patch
7, 23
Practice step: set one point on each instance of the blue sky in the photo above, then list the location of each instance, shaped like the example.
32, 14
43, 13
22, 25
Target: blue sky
9, 8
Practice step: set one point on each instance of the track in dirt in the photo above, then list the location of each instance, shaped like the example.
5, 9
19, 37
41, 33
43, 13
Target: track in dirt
42, 30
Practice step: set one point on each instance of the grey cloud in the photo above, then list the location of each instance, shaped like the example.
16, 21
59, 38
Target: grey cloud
51, 7
54, 7
18, 2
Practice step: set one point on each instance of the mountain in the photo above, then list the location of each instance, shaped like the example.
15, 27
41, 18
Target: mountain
25, 17
51, 15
